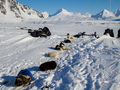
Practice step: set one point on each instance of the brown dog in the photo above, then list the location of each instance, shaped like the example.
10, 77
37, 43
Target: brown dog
24, 78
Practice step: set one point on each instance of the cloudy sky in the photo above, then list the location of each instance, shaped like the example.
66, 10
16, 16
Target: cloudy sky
81, 6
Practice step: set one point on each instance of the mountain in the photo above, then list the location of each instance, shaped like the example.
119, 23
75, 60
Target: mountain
62, 12
45, 14
13, 9
117, 12
87, 14
64, 15
103, 14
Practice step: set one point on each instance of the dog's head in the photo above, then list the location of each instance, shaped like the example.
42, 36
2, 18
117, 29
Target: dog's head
68, 35
22, 80
57, 47
62, 44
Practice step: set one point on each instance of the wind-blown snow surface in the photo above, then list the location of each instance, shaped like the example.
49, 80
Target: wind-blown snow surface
90, 64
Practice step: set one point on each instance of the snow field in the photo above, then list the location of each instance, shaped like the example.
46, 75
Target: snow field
90, 64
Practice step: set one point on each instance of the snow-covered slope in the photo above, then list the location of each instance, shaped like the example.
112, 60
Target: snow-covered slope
103, 15
90, 64
45, 14
11, 9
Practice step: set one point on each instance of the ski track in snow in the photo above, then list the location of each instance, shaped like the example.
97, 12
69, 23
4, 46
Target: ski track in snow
90, 64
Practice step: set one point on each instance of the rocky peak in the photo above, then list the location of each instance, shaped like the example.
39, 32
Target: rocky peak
14, 8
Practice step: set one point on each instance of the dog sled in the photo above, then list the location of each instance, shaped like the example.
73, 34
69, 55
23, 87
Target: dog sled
84, 34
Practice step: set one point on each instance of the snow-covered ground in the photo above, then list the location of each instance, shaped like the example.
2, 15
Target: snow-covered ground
90, 64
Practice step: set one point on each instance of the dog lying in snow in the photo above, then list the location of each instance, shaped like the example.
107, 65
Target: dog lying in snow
53, 54
58, 47
61, 47
50, 65
70, 37
24, 78
67, 41
118, 33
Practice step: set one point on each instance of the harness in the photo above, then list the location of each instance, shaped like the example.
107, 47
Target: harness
26, 72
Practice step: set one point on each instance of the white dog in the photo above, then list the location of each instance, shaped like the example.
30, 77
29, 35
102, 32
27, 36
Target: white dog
70, 37
53, 54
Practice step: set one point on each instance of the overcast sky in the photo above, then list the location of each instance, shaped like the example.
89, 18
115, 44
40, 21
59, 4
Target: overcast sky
81, 6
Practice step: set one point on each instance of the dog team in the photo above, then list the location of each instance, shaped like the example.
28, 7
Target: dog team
25, 77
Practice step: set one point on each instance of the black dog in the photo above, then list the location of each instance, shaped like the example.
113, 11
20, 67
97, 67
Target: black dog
50, 65
29, 30
109, 31
40, 32
59, 47
67, 41
47, 31
119, 33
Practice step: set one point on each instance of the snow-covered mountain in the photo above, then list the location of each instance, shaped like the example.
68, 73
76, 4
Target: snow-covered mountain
103, 14
117, 12
12, 9
64, 15
62, 12
87, 14
45, 14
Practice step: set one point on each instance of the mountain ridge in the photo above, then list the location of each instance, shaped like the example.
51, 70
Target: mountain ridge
11, 9
14, 9
104, 14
